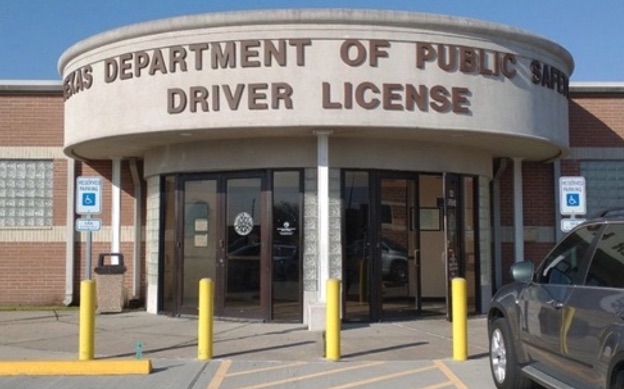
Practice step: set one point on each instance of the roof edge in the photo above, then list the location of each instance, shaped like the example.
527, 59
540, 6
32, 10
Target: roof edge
602, 87
27, 86
458, 24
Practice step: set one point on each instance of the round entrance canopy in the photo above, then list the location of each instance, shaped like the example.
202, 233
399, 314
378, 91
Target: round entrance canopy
288, 73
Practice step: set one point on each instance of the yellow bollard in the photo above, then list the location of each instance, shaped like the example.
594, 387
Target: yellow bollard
332, 320
206, 319
460, 319
86, 350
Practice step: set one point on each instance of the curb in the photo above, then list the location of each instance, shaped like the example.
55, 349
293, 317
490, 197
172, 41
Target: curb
98, 367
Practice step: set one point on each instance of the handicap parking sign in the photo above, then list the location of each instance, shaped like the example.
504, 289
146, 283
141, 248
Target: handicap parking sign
88, 195
88, 199
572, 199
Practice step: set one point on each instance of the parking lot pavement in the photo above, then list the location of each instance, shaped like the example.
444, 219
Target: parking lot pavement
230, 374
415, 354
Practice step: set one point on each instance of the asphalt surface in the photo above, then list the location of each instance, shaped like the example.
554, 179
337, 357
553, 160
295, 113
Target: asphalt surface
405, 354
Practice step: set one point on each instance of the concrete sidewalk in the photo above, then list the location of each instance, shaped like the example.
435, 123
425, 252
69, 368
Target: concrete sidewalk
406, 354
54, 335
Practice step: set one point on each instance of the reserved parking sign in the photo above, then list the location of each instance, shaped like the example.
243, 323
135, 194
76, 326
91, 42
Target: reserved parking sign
88, 195
572, 200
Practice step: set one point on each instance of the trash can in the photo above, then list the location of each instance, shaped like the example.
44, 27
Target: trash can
109, 283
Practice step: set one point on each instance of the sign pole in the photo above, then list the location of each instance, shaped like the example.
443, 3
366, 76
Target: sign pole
88, 259
88, 202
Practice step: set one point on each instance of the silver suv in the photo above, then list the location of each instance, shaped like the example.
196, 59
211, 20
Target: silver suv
562, 324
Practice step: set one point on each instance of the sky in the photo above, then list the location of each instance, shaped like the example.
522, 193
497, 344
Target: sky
34, 33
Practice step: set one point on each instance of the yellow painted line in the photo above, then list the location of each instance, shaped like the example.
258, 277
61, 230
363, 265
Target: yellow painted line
265, 369
289, 381
219, 376
77, 367
440, 385
384, 377
450, 375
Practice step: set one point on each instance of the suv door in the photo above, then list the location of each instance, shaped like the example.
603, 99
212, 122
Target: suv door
544, 302
593, 330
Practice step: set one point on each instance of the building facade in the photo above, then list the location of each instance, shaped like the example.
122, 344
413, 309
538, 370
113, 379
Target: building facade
272, 151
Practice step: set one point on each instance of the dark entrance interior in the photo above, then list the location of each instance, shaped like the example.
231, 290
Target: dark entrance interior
396, 258
243, 230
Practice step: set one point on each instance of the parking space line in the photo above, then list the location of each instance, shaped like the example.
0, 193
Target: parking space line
305, 377
384, 377
264, 369
219, 375
449, 374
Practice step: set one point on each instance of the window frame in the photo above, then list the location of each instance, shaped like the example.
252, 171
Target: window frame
543, 273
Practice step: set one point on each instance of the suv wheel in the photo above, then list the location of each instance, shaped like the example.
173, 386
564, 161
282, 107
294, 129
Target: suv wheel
503, 361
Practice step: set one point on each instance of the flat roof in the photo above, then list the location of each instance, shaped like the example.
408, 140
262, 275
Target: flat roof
29, 86
589, 87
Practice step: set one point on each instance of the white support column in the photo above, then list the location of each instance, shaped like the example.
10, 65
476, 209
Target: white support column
116, 209
518, 211
323, 210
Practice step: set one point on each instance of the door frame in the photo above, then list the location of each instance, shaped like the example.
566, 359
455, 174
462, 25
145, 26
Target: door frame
377, 311
412, 221
265, 266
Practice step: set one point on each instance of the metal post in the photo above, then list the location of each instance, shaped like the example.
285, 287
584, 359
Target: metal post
87, 320
460, 319
206, 319
332, 325
88, 253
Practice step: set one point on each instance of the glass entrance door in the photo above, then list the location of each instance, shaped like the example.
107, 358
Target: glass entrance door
460, 245
198, 236
452, 259
244, 253
232, 228
393, 263
395, 252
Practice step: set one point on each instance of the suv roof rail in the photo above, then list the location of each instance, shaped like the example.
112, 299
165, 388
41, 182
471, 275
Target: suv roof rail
612, 212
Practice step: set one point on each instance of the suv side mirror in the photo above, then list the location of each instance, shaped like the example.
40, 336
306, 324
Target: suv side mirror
522, 271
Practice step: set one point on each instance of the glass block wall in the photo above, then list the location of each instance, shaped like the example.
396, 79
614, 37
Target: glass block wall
26, 191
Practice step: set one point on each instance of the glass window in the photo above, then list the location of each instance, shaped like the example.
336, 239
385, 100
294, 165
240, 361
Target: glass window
356, 202
605, 185
286, 259
26, 193
607, 264
563, 264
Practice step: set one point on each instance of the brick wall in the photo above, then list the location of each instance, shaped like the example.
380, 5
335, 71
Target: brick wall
33, 261
31, 119
537, 191
597, 121
103, 245
32, 274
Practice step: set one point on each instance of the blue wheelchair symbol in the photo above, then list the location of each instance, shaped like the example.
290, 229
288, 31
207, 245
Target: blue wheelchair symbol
573, 199
88, 199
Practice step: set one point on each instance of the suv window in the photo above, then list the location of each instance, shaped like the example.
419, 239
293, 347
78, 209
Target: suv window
561, 267
607, 265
